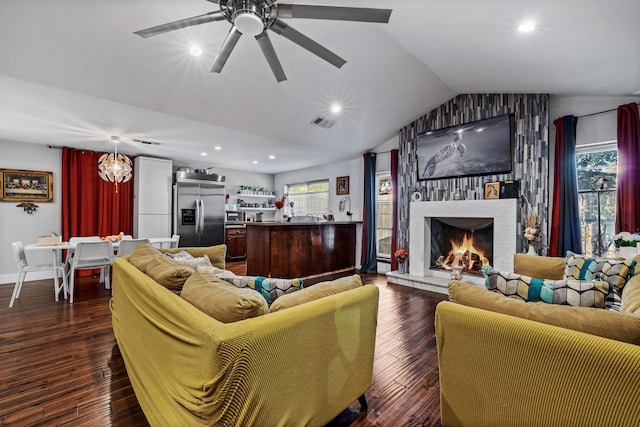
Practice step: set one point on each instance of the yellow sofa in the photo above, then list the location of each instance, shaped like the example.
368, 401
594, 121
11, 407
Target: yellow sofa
300, 366
504, 362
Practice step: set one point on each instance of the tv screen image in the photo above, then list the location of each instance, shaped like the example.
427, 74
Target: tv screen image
483, 147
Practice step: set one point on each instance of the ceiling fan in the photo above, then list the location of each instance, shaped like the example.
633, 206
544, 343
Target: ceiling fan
255, 17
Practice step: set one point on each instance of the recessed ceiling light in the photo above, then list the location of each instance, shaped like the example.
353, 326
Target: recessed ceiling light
255, 162
527, 26
272, 157
195, 50
336, 108
217, 147
203, 154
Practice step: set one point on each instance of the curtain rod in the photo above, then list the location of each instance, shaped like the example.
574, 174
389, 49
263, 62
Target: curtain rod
602, 112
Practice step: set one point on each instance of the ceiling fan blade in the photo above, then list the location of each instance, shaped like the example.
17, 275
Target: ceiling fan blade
336, 13
227, 46
182, 23
300, 39
267, 49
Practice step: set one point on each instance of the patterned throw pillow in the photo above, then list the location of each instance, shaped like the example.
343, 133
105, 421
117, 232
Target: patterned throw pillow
576, 293
614, 272
269, 288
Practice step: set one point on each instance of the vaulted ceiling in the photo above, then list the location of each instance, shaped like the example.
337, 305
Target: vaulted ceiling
72, 73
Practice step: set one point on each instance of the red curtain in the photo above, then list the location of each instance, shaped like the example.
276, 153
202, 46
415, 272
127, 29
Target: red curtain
394, 207
90, 205
627, 212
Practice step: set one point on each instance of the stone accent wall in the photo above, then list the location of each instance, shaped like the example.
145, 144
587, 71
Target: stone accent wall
531, 155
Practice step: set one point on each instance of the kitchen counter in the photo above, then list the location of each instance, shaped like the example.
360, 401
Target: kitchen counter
304, 223
300, 249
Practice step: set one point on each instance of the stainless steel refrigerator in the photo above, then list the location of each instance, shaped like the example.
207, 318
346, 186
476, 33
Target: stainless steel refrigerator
198, 215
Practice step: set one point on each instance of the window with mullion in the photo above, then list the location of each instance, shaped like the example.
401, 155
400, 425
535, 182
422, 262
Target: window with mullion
309, 198
384, 214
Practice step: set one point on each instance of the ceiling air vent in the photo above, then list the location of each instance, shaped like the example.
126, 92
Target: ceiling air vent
145, 142
322, 122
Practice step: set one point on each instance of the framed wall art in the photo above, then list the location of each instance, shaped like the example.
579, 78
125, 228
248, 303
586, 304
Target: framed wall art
24, 185
492, 190
342, 185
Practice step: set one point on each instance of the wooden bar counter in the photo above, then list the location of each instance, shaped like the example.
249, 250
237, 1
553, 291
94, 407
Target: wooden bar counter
300, 249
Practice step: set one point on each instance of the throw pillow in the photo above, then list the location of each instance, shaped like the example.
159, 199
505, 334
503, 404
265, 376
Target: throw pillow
319, 290
576, 293
269, 288
186, 258
216, 253
168, 273
221, 301
615, 272
141, 256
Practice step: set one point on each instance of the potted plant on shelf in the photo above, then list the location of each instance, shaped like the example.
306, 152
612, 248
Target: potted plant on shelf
401, 258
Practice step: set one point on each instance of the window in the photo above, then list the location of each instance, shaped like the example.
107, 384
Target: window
384, 214
309, 198
596, 172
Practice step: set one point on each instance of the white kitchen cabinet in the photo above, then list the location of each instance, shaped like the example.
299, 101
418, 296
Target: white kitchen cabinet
152, 197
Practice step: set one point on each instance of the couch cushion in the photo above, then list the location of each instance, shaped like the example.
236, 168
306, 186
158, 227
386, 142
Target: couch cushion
577, 293
168, 273
222, 301
319, 290
551, 268
604, 323
216, 253
270, 288
615, 272
141, 256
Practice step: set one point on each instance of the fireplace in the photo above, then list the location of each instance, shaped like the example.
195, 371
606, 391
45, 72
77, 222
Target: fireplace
503, 212
461, 242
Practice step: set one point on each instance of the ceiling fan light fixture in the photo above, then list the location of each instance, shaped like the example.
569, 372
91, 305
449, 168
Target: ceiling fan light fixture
248, 24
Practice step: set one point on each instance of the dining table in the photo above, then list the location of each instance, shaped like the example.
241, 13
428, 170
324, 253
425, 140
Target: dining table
56, 251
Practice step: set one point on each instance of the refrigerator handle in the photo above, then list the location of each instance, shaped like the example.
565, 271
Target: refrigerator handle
197, 226
201, 216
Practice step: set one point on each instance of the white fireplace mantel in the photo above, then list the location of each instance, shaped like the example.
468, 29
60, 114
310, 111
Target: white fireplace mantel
504, 214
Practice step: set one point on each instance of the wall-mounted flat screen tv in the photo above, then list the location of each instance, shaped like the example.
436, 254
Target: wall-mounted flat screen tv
484, 147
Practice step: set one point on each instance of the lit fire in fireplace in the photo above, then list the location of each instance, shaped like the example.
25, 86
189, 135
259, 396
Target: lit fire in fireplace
464, 254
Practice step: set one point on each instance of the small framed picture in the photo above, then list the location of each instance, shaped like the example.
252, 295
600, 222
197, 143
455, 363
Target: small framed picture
342, 185
492, 190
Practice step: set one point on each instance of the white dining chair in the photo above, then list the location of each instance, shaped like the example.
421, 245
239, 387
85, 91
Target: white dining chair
127, 246
90, 255
24, 267
175, 241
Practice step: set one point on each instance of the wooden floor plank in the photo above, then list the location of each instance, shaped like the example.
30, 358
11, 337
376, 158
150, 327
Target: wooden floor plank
61, 365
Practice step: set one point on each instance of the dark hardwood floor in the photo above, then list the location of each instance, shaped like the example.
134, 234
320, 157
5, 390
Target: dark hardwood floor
59, 363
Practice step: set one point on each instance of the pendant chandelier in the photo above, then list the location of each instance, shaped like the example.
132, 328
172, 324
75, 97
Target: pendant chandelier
114, 167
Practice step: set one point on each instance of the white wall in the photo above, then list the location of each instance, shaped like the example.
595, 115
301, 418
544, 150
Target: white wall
16, 224
354, 169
